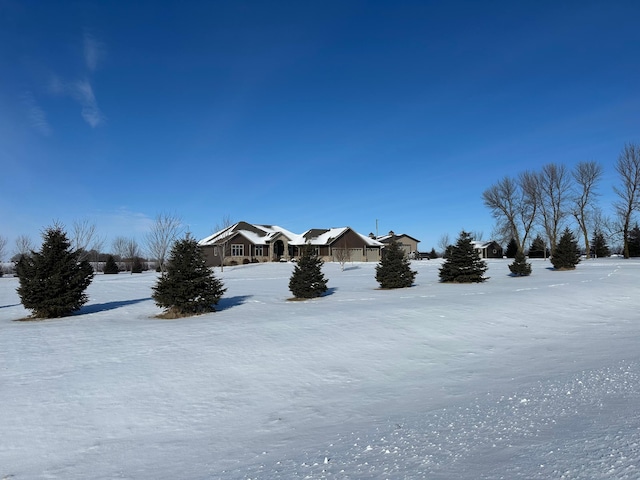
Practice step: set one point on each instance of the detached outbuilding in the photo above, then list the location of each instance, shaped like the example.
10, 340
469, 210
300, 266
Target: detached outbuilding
408, 243
490, 249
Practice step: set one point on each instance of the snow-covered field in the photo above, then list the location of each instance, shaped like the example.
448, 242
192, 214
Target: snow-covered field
530, 378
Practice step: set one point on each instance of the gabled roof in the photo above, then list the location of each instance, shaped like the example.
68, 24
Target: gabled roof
323, 236
391, 235
482, 245
256, 234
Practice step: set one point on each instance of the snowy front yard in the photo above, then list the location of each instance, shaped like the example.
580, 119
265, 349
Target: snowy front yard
534, 377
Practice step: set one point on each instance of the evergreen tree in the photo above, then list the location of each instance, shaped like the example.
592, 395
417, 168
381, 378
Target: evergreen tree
111, 267
433, 254
307, 280
394, 269
538, 248
512, 249
53, 281
188, 286
634, 241
567, 253
136, 266
599, 245
463, 264
520, 267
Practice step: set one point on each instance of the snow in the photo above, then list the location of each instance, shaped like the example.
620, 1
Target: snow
533, 377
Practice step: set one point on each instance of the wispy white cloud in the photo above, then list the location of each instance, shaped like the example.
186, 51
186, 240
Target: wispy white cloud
93, 51
36, 115
123, 222
82, 90
83, 93
56, 86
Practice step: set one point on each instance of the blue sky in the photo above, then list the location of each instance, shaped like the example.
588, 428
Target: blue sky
303, 114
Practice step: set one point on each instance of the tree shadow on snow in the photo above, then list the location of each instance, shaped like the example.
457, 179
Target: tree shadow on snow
7, 306
230, 302
353, 267
330, 291
102, 307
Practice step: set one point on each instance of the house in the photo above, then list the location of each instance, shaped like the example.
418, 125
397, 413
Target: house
408, 243
490, 249
334, 244
243, 242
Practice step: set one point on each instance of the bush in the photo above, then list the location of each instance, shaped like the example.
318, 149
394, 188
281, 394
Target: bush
188, 287
53, 281
394, 269
307, 280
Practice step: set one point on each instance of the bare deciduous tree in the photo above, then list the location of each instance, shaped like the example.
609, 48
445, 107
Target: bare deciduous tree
444, 242
3, 246
96, 250
164, 232
83, 234
133, 251
586, 176
477, 236
514, 205
628, 192
342, 254
119, 248
221, 245
24, 246
554, 187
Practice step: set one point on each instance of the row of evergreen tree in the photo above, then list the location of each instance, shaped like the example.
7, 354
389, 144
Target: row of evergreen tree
53, 281
599, 247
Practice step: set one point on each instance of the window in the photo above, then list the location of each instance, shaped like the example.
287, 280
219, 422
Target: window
259, 251
237, 250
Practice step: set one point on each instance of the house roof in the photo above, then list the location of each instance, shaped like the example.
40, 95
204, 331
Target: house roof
256, 234
482, 245
389, 236
264, 234
323, 236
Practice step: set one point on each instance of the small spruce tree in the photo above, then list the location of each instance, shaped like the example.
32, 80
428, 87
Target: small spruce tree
394, 269
520, 267
463, 263
307, 279
110, 267
567, 253
538, 248
634, 241
433, 254
599, 245
512, 249
136, 266
53, 281
188, 286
